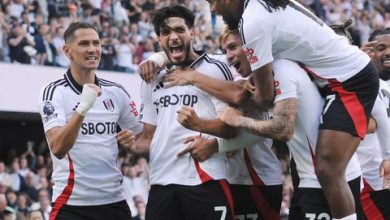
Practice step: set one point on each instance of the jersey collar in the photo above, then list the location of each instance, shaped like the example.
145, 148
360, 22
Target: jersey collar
77, 88
190, 64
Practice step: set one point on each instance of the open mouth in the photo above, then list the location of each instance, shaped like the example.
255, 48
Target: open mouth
236, 65
91, 58
176, 51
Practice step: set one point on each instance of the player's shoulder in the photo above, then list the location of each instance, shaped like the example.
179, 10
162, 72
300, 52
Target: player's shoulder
217, 67
48, 90
114, 86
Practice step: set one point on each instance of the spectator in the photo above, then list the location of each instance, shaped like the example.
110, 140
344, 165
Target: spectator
18, 41
23, 204
29, 187
125, 51
12, 199
17, 180
58, 43
35, 215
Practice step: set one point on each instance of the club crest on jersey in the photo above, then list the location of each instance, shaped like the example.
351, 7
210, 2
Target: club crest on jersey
109, 105
249, 55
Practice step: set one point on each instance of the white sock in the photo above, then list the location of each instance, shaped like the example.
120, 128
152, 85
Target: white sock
349, 217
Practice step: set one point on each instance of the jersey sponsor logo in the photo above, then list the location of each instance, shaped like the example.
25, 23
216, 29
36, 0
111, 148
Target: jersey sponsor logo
159, 86
48, 111
167, 100
109, 105
89, 128
133, 107
278, 91
249, 53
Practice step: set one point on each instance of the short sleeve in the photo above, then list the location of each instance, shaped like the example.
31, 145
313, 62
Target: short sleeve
128, 118
51, 107
148, 112
286, 85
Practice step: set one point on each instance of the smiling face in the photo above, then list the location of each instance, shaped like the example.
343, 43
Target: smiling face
84, 49
176, 40
235, 55
382, 54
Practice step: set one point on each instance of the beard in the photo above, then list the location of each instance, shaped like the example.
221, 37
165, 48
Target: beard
385, 74
231, 22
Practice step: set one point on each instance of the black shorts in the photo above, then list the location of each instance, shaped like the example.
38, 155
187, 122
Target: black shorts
376, 204
348, 104
257, 202
310, 203
208, 201
118, 211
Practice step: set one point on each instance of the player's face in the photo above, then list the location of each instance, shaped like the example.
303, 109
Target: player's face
84, 50
235, 54
176, 40
230, 10
382, 54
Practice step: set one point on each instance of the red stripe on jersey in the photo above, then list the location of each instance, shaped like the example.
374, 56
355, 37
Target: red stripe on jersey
262, 204
228, 194
252, 172
370, 210
204, 177
353, 106
65, 195
313, 156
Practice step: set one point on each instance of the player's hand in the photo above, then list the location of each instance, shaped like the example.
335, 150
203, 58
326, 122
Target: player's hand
369, 47
199, 148
126, 139
385, 173
248, 86
230, 116
148, 70
187, 117
180, 77
88, 98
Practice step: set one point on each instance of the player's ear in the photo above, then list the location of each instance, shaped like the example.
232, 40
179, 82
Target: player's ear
66, 50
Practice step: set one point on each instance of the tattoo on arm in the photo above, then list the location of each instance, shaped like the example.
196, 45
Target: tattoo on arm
280, 127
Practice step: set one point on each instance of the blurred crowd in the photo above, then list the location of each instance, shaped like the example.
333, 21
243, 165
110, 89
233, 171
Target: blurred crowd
31, 30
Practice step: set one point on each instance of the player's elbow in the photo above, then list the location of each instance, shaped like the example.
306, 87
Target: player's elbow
264, 103
58, 153
286, 136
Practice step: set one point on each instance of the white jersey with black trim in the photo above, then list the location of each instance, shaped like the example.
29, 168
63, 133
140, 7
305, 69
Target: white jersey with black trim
371, 149
89, 173
159, 108
291, 81
296, 34
257, 164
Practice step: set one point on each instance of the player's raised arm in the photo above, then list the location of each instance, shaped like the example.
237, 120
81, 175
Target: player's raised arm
62, 139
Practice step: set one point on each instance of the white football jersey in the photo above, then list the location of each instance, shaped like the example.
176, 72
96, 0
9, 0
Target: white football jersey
89, 173
375, 147
159, 108
291, 81
295, 33
255, 165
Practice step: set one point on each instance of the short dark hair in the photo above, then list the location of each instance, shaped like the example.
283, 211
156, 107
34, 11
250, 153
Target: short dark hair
73, 27
378, 32
343, 29
159, 16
